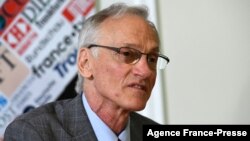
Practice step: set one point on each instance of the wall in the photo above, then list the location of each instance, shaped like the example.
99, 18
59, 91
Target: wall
208, 43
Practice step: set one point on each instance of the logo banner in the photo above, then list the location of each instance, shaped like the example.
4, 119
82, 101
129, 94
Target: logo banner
38, 49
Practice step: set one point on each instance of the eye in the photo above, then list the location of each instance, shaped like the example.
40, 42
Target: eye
129, 55
129, 52
152, 59
126, 53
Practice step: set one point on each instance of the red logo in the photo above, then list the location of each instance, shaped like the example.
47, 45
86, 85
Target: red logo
9, 10
19, 36
17, 33
76, 7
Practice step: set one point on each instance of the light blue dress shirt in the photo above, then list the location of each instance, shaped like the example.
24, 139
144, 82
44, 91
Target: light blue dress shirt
102, 131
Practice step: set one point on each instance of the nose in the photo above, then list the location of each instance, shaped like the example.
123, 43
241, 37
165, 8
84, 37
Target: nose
141, 68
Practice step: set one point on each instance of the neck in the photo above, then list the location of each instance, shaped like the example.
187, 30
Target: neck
110, 113
116, 119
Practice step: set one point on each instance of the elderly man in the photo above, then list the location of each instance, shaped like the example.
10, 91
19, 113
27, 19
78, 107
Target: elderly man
118, 58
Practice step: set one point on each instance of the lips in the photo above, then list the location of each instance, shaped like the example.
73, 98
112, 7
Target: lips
138, 86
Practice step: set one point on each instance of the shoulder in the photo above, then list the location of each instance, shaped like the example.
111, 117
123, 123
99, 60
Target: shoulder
53, 121
47, 110
36, 123
49, 115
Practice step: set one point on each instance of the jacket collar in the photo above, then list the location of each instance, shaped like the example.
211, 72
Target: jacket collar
75, 120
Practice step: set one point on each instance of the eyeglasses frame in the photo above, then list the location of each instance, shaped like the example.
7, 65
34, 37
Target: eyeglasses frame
117, 50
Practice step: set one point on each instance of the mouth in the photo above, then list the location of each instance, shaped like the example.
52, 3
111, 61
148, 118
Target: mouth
138, 86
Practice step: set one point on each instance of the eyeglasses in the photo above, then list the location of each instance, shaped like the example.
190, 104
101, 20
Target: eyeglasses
130, 55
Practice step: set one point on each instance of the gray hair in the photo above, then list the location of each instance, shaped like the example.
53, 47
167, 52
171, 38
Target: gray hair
90, 29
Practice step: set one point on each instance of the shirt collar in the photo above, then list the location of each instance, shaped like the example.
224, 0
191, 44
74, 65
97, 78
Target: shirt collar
102, 131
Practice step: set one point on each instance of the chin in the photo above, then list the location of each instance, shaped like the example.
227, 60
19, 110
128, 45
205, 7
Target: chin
137, 107
134, 103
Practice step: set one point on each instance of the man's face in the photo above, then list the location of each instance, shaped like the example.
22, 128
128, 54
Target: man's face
126, 85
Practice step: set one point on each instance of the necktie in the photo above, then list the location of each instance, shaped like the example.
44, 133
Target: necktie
118, 139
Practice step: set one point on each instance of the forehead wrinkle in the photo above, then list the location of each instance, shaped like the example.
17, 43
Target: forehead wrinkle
136, 33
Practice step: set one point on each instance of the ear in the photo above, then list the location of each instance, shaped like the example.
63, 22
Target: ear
83, 63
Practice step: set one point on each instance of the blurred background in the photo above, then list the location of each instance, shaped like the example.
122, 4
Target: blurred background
208, 42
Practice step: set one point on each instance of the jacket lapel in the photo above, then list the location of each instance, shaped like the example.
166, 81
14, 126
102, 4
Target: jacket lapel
75, 120
135, 128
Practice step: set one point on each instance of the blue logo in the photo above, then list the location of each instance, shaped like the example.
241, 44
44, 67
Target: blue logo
3, 102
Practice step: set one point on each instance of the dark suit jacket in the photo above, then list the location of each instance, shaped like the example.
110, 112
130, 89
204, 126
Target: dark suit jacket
64, 120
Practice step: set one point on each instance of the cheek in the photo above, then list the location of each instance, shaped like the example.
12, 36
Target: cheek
110, 75
153, 78
151, 81
116, 74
